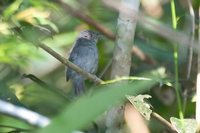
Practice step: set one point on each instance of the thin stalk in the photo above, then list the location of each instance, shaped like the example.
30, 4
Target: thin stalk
174, 25
198, 79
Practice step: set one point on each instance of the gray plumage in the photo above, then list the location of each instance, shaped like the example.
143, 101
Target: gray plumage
85, 55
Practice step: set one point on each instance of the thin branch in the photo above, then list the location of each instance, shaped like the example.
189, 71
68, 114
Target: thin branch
24, 114
163, 30
166, 32
105, 31
87, 19
36, 42
190, 58
163, 121
192, 16
157, 27
105, 68
70, 64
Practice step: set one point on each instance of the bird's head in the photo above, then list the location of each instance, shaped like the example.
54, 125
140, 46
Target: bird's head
90, 35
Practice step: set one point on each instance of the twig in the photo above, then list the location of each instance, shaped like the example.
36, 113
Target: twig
176, 62
105, 31
24, 114
163, 121
190, 58
192, 16
105, 68
86, 19
36, 42
158, 28
69, 64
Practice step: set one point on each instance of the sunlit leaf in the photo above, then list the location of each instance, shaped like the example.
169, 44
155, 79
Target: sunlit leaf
185, 125
139, 103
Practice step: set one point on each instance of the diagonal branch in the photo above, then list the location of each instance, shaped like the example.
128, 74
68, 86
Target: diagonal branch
36, 41
105, 31
163, 121
24, 114
158, 28
86, 19
69, 64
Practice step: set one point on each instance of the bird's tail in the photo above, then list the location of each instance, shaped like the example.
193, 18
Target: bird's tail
79, 85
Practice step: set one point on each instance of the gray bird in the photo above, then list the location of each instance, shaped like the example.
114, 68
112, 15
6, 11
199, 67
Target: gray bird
85, 55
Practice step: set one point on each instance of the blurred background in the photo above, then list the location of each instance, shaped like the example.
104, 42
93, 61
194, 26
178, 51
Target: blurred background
57, 26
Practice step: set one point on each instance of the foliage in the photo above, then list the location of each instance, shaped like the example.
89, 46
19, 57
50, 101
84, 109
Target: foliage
76, 114
184, 126
24, 22
139, 103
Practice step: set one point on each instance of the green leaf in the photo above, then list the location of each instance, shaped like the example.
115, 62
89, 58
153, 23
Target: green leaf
141, 106
185, 125
12, 122
16, 52
7, 95
12, 8
83, 111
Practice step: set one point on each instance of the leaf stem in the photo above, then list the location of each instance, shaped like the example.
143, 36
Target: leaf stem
174, 25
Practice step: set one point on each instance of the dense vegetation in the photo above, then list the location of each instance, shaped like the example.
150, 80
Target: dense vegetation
163, 65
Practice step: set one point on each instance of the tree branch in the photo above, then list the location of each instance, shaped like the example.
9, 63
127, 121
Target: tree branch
105, 31
126, 27
24, 114
36, 41
158, 28
86, 19
163, 121
69, 64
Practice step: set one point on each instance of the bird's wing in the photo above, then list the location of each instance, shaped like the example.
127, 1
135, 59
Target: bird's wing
74, 54
83, 55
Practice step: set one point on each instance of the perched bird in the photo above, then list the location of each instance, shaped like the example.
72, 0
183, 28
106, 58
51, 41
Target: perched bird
85, 55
